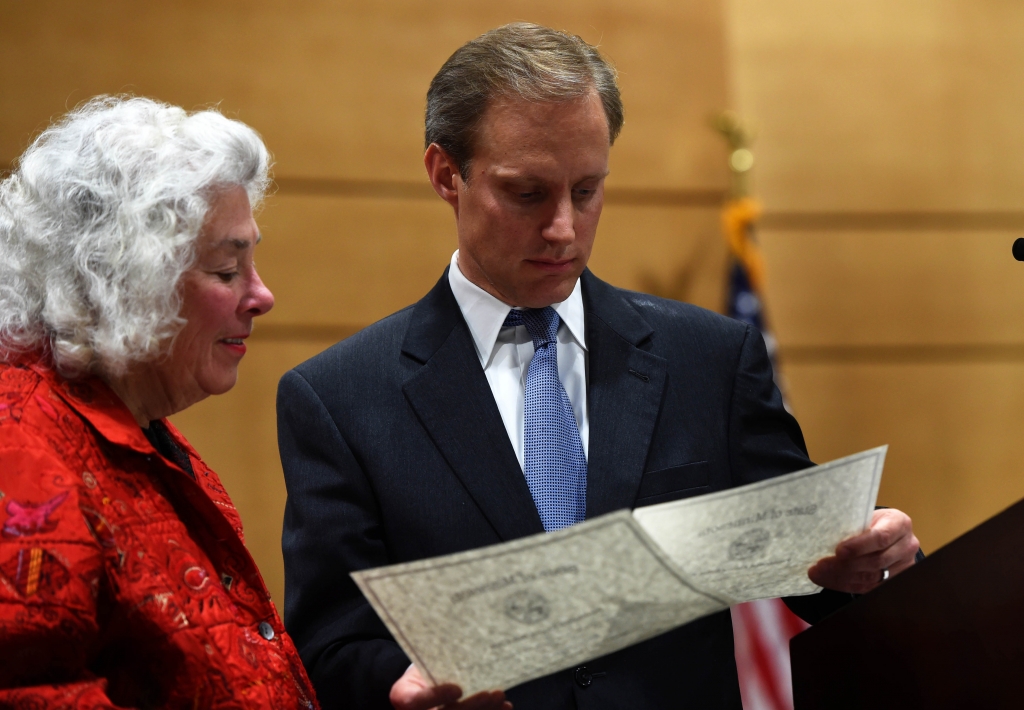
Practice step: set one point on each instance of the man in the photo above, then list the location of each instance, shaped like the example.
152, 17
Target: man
523, 394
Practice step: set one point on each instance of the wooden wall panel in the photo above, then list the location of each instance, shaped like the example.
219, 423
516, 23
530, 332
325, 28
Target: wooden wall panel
952, 430
887, 162
351, 261
894, 289
883, 104
338, 88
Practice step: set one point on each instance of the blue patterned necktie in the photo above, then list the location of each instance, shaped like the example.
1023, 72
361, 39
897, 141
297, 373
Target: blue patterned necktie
554, 462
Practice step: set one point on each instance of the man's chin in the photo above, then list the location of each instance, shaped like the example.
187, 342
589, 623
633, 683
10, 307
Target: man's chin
545, 295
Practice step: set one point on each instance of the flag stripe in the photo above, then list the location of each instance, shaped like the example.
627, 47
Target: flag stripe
762, 654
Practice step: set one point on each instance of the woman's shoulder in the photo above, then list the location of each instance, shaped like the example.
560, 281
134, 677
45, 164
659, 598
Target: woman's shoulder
36, 476
36, 420
26, 392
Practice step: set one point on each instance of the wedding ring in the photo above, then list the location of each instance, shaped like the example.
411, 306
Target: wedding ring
885, 575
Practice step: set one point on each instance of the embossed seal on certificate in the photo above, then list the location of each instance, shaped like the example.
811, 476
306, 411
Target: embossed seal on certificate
526, 607
750, 544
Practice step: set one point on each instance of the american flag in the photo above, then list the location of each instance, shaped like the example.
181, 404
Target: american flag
761, 629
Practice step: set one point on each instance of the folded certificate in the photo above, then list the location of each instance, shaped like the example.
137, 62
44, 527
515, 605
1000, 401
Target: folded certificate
501, 615
498, 616
759, 540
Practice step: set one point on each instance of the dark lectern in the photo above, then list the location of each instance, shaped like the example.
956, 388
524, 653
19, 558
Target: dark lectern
947, 633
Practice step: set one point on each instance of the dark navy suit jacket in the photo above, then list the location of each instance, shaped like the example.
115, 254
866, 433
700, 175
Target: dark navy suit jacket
394, 450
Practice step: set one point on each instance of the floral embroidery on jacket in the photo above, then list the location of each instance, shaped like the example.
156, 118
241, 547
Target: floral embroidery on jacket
123, 582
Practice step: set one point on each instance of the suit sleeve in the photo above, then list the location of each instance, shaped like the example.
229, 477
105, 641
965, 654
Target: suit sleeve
765, 441
331, 528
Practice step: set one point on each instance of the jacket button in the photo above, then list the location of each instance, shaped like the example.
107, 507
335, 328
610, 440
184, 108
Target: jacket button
266, 630
583, 677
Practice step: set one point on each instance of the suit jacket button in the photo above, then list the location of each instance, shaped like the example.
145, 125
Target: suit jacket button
583, 677
266, 630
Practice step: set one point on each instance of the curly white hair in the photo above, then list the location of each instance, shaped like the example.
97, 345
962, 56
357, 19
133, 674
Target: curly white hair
99, 221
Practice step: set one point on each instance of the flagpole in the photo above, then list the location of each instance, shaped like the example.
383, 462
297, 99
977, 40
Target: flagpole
746, 293
762, 628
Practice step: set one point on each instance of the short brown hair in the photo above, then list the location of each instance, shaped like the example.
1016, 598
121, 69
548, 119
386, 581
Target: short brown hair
517, 60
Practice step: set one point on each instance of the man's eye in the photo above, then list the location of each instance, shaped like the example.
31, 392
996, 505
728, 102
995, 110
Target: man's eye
227, 276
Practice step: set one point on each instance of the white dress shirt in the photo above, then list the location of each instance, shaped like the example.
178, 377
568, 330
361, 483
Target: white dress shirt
505, 353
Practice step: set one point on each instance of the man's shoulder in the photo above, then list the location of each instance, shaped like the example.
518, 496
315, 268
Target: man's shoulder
669, 318
669, 310
373, 346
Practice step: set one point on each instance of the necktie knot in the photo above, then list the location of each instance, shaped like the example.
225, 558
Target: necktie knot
541, 324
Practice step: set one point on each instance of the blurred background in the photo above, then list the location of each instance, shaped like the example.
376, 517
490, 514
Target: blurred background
889, 161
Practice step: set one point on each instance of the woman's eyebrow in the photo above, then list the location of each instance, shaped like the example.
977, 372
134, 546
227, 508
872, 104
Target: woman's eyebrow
238, 244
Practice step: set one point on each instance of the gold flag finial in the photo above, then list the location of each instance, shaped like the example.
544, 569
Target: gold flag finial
740, 136
741, 211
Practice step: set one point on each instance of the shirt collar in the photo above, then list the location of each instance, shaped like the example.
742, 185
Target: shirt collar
485, 314
98, 405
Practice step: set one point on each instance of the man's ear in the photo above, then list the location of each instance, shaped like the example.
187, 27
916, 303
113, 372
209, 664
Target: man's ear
443, 174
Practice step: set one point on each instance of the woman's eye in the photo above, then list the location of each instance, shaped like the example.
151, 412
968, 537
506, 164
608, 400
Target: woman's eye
227, 276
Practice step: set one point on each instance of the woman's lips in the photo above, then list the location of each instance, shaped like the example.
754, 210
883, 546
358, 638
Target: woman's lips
235, 345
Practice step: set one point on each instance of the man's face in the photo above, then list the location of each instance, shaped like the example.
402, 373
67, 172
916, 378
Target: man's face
528, 214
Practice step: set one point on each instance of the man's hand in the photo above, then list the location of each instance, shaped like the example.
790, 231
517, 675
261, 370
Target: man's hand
412, 692
858, 564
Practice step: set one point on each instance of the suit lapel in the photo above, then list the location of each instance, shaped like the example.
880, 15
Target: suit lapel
453, 401
626, 385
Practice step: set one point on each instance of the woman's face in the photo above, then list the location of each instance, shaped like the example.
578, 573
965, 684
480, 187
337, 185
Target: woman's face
221, 295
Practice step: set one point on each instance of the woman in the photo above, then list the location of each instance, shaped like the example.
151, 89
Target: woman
127, 289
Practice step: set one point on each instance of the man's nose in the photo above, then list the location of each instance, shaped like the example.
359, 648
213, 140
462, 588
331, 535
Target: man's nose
561, 228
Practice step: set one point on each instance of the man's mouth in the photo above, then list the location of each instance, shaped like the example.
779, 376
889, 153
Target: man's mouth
552, 265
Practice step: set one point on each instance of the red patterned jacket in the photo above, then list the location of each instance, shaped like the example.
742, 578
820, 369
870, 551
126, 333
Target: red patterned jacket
123, 581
